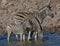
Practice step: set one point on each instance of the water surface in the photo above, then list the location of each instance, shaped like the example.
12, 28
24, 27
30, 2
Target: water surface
49, 40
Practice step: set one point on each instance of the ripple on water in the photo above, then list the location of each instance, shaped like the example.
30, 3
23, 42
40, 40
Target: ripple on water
49, 40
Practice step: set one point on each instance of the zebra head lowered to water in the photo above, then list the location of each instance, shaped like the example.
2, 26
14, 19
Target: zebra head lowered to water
37, 18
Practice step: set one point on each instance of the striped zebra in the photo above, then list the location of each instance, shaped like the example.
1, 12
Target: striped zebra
16, 24
37, 18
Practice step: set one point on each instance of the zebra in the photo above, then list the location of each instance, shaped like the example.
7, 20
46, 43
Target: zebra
15, 25
15, 29
37, 19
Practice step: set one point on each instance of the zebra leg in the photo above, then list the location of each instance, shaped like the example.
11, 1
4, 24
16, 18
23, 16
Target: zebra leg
40, 34
35, 33
29, 35
16, 36
21, 35
9, 33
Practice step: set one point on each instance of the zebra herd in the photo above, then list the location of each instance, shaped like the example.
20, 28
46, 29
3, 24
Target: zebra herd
28, 22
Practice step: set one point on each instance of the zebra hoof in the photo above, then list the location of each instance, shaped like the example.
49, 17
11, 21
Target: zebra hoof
42, 40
